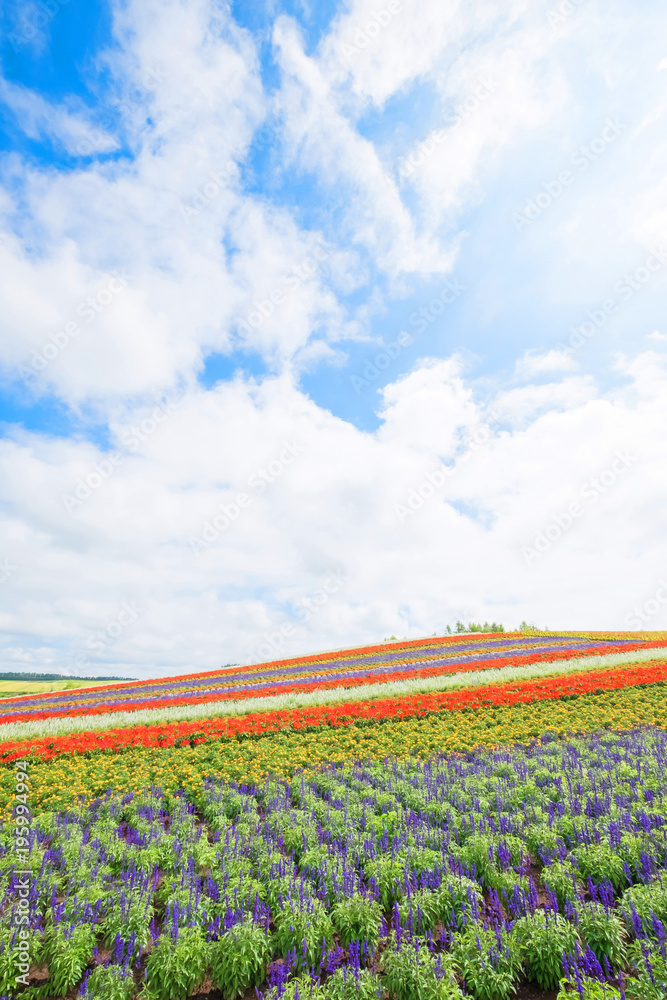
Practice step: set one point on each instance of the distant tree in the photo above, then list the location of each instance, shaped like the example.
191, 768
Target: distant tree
476, 627
529, 627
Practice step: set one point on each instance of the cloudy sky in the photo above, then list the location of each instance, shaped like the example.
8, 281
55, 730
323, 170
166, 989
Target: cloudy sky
325, 322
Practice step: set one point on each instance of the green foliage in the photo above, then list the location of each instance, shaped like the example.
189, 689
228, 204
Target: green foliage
8, 957
456, 900
89, 892
472, 627
482, 852
649, 966
346, 984
302, 988
599, 861
390, 878
239, 959
541, 839
110, 982
357, 918
593, 990
300, 837
603, 931
175, 968
489, 962
543, 938
411, 973
295, 925
134, 918
67, 952
423, 906
646, 899
479, 851
561, 879
280, 888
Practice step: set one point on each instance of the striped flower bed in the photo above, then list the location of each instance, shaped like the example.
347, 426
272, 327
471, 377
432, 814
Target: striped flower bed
353, 668
180, 757
341, 714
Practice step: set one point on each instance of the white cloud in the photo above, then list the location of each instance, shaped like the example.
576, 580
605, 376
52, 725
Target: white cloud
528, 400
381, 62
74, 130
542, 363
325, 142
331, 507
167, 222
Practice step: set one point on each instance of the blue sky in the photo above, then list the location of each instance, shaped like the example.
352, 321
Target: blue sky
372, 233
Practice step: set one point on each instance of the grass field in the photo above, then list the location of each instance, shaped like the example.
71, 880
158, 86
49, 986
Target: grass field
10, 689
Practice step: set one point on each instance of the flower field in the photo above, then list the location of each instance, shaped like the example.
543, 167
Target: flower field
443, 818
478, 874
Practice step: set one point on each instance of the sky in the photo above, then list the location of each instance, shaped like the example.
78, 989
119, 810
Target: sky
327, 322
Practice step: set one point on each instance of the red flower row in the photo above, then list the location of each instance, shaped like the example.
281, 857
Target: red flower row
229, 727
303, 686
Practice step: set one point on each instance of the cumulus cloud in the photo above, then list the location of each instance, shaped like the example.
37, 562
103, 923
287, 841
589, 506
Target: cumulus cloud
188, 86
216, 520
